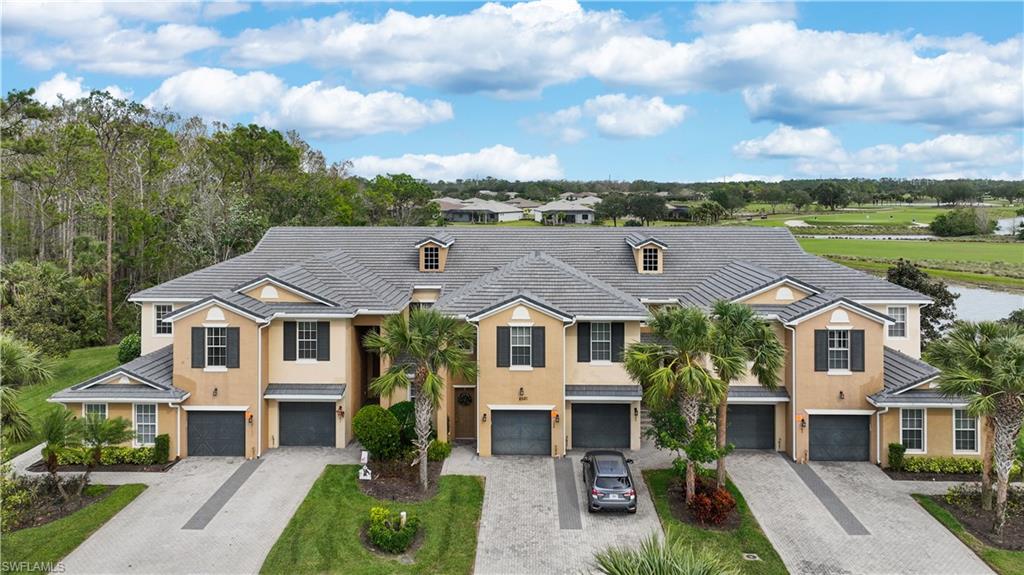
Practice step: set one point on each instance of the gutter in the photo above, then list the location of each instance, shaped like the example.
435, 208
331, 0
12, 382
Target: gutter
792, 417
259, 390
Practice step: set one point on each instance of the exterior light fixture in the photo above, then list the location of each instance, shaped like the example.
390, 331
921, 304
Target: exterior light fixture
248, 417
484, 420
636, 412
215, 392
522, 393
842, 395
554, 415
340, 411
803, 423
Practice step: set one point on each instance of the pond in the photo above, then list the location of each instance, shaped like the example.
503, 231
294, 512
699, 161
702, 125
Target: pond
1005, 225
978, 304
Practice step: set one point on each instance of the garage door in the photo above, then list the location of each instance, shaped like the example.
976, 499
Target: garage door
604, 425
216, 433
751, 426
307, 423
840, 437
521, 432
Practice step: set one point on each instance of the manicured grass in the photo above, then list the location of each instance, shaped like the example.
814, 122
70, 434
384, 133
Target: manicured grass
1008, 252
969, 278
323, 535
1001, 560
513, 224
52, 542
747, 538
78, 366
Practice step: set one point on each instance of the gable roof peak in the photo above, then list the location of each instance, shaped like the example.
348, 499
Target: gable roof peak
637, 239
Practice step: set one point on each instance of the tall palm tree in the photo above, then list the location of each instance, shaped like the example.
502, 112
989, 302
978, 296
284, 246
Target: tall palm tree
985, 361
424, 347
60, 430
14, 420
676, 368
740, 337
97, 433
22, 364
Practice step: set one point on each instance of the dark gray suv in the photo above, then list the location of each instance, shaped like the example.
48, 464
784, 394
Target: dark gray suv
609, 482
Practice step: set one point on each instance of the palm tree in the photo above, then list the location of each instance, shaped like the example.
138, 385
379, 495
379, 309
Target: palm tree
14, 420
985, 361
740, 337
61, 431
655, 556
427, 345
676, 368
22, 364
97, 433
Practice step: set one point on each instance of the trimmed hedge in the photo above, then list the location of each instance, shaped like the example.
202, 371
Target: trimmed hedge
162, 448
109, 456
386, 531
439, 450
896, 459
378, 431
941, 464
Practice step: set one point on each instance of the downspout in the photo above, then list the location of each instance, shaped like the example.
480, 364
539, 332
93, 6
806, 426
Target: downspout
792, 417
259, 391
477, 390
177, 440
878, 434
565, 335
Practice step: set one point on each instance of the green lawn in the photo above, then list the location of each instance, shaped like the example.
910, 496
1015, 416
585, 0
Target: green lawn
323, 535
79, 365
960, 277
52, 542
1008, 252
1001, 560
747, 538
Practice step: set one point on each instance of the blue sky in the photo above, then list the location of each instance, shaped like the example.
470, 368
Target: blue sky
548, 89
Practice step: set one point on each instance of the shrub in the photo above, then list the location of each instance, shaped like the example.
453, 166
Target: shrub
18, 494
632, 224
378, 431
711, 504
962, 222
387, 533
896, 451
941, 465
129, 348
439, 450
674, 554
405, 413
119, 455
162, 448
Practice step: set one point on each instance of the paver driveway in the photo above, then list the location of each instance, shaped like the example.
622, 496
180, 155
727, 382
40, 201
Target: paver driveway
147, 536
901, 536
519, 526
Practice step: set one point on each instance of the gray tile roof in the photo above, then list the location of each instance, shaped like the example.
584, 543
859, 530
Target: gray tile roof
903, 372
734, 279
305, 389
757, 392
637, 239
118, 391
546, 280
377, 266
816, 302
155, 368
623, 391
917, 397
440, 237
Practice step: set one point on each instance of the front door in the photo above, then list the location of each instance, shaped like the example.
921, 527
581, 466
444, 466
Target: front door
465, 413
369, 367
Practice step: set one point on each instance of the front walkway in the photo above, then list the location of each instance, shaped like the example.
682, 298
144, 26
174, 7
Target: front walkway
206, 515
838, 518
525, 528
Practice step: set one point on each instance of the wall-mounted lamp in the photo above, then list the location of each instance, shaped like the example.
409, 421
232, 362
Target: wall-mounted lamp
248, 417
636, 413
522, 393
340, 411
215, 392
803, 423
484, 420
842, 395
554, 415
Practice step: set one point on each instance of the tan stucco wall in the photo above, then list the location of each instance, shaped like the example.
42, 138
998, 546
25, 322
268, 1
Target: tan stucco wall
235, 387
938, 434
638, 259
310, 371
425, 295
771, 297
910, 345
541, 385
594, 373
818, 390
442, 257
166, 420
147, 321
284, 295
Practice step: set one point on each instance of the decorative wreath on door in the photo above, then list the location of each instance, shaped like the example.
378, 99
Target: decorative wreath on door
465, 398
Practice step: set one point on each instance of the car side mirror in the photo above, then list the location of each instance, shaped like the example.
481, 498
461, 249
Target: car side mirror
629, 461
585, 460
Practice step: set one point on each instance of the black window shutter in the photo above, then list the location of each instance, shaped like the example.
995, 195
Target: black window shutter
857, 350
323, 341
538, 347
232, 347
583, 342
618, 341
289, 341
821, 350
504, 346
198, 347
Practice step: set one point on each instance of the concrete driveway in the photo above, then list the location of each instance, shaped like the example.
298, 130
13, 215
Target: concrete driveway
235, 511
832, 518
523, 529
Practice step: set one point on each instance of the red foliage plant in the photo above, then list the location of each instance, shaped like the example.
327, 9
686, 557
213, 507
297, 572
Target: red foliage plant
711, 504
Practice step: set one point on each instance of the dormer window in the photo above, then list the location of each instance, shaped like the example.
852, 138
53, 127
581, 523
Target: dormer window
431, 258
651, 260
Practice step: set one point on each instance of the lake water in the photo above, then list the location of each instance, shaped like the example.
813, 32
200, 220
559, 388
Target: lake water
1005, 226
978, 304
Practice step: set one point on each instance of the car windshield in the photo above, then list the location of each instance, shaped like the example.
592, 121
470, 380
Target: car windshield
612, 482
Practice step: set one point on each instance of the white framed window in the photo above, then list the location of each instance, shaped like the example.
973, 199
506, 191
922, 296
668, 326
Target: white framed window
305, 332
838, 350
899, 326
145, 423
912, 430
965, 432
162, 310
522, 345
600, 342
97, 409
650, 260
216, 347
420, 305
431, 258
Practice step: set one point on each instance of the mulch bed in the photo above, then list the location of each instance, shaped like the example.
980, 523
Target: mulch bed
399, 481
677, 507
407, 557
907, 476
57, 509
40, 467
979, 523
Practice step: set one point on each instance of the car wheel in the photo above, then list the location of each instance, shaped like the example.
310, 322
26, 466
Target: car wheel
631, 511
590, 509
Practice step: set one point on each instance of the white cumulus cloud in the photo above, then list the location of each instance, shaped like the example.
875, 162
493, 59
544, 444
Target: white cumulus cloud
217, 93
789, 142
613, 115
728, 15
496, 161
742, 177
71, 88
